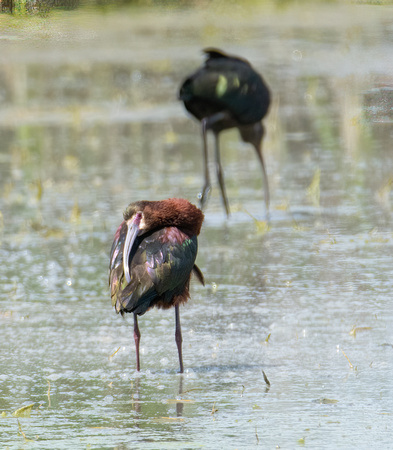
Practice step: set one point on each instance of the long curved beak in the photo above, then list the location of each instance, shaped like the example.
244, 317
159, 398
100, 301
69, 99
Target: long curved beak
132, 233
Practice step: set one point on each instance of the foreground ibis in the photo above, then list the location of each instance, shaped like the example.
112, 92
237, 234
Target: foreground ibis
152, 259
226, 92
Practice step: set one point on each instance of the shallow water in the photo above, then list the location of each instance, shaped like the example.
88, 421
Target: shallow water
89, 122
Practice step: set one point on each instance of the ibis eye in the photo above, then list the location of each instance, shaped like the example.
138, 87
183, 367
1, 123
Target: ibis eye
136, 220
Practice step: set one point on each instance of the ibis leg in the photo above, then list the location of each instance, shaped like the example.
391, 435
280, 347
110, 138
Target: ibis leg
137, 338
207, 186
220, 173
208, 124
265, 180
178, 337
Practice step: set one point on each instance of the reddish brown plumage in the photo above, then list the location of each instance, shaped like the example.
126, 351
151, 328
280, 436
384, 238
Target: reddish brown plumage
174, 212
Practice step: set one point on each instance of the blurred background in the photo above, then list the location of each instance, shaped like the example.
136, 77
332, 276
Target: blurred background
90, 121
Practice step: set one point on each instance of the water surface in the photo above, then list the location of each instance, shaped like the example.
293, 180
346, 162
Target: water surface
89, 122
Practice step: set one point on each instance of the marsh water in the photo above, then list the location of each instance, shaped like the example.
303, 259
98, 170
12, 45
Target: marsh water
89, 121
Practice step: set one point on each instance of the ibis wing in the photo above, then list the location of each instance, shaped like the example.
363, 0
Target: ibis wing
169, 264
230, 84
159, 269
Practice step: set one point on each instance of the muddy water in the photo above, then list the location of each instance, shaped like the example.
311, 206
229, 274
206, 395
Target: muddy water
89, 122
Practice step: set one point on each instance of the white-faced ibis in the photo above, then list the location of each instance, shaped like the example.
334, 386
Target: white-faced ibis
152, 258
226, 92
